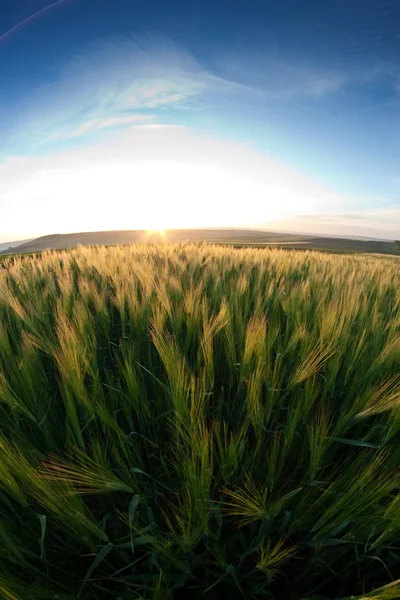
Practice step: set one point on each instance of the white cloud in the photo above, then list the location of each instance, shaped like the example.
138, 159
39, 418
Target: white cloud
280, 79
157, 176
290, 80
115, 77
109, 79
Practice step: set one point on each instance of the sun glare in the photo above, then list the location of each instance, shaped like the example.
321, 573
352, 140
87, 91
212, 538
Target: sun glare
159, 232
150, 196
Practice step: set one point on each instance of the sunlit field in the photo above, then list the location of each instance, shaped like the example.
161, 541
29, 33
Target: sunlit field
187, 421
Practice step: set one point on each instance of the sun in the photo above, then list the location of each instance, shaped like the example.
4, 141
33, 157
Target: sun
160, 232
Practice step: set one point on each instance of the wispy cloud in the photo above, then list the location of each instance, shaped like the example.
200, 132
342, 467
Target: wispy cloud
112, 79
291, 80
283, 79
383, 222
120, 82
121, 77
98, 124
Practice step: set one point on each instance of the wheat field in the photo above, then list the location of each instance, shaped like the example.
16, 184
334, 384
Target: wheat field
193, 421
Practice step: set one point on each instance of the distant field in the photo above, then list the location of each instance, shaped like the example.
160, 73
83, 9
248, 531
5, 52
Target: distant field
242, 237
186, 421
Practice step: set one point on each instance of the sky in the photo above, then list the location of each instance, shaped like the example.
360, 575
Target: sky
157, 115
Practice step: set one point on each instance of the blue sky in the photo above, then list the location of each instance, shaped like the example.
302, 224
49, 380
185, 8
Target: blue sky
117, 114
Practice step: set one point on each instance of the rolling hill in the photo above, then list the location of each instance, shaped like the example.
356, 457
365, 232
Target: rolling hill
218, 236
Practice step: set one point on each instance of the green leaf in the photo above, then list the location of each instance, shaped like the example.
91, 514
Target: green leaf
132, 509
339, 528
279, 504
133, 506
43, 523
230, 570
324, 542
286, 520
99, 558
142, 540
139, 471
359, 443
164, 387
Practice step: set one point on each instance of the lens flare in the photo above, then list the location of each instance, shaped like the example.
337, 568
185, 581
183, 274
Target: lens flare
30, 18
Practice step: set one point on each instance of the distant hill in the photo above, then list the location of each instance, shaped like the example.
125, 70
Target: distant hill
224, 236
342, 237
6, 245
